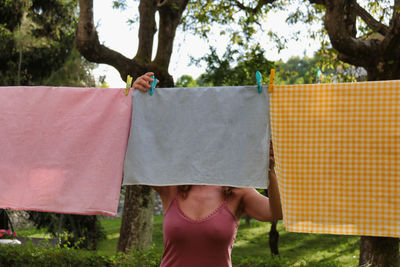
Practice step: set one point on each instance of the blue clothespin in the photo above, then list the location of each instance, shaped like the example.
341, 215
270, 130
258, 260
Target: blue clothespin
153, 85
259, 80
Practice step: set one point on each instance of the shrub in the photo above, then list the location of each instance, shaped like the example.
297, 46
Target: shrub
29, 255
83, 231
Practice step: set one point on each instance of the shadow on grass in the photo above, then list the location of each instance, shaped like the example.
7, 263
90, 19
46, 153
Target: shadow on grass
321, 248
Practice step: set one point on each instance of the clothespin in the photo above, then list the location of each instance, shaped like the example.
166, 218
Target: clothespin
153, 85
271, 80
318, 75
128, 84
259, 80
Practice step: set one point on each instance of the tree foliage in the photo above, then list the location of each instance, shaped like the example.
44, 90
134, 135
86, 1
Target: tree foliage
186, 81
80, 231
304, 70
36, 37
362, 33
241, 19
234, 68
76, 72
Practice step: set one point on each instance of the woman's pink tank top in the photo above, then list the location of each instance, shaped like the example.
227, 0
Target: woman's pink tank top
206, 242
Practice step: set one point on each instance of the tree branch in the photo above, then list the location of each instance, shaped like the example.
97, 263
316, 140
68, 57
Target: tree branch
356, 61
87, 42
371, 21
378, 54
391, 43
147, 29
170, 17
254, 10
339, 22
318, 2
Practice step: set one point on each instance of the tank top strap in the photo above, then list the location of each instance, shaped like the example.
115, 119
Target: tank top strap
174, 202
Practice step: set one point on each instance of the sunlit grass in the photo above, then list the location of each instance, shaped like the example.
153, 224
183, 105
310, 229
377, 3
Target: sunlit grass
34, 233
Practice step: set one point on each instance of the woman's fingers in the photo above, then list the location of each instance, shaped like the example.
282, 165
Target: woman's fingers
143, 82
149, 74
140, 87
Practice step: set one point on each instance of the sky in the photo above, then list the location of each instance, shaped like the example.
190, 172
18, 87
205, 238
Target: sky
115, 33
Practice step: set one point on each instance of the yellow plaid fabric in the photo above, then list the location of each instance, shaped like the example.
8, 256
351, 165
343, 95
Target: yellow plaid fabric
337, 153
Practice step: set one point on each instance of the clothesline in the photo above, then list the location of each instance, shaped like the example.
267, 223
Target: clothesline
336, 148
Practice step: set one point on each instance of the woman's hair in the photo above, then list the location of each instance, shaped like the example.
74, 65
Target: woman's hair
183, 191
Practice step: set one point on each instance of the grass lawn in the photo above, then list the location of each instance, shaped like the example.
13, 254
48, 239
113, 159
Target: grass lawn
296, 249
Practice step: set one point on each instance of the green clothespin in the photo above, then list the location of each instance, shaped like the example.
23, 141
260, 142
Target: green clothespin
259, 80
153, 85
128, 84
318, 75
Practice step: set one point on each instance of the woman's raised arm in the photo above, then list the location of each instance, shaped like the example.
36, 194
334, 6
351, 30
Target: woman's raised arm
263, 208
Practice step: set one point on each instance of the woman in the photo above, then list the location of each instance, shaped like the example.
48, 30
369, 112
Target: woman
200, 221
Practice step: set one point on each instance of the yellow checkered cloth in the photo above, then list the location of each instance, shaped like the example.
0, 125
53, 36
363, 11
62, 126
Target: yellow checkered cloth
337, 153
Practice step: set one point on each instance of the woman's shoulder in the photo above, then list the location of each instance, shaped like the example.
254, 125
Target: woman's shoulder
166, 192
235, 201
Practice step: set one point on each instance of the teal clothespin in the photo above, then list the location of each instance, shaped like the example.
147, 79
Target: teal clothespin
259, 79
318, 75
128, 84
153, 85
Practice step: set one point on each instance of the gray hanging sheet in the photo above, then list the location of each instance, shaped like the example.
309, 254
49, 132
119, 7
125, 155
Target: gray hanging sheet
201, 135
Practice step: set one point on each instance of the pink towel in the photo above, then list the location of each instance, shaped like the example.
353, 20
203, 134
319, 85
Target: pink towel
62, 149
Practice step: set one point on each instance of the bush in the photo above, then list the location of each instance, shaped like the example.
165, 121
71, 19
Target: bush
30, 255
83, 231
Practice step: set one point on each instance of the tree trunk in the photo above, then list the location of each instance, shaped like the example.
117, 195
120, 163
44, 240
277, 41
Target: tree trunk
4, 220
94, 234
379, 251
382, 69
273, 235
273, 239
137, 218
247, 219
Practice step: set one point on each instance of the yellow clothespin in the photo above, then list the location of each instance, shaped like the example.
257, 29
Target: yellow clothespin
271, 80
128, 84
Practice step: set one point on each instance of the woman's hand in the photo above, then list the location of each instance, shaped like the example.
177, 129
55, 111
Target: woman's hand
143, 82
